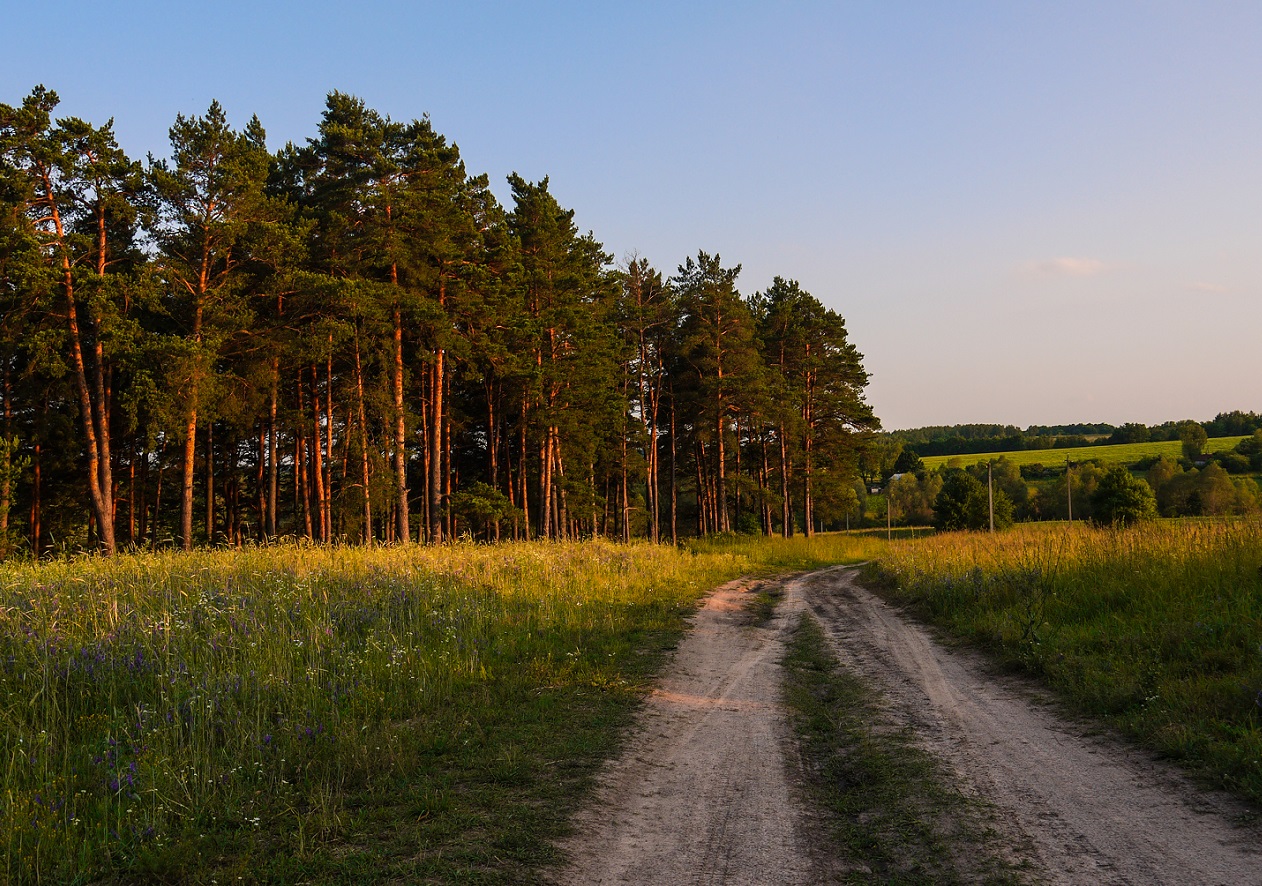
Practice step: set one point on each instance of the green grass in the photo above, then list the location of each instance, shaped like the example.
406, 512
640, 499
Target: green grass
312, 714
891, 809
1118, 453
776, 556
1156, 629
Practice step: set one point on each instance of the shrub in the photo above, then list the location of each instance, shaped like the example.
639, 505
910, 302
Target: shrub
963, 504
1122, 499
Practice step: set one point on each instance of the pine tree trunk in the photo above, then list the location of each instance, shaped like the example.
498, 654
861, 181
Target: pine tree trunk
302, 490
522, 462
808, 499
651, 482
400, 431
36, 495
6, 448
156, 524
786, 507
131, 500
142, 531
210, 483
260, 479
363, 449
545, 485
329, 458
436, 450
448, 475
273, 467
703, 503
99, 484
493, 450
674, 484
761, 474
562, 515
317, 460
186, 489
626, 499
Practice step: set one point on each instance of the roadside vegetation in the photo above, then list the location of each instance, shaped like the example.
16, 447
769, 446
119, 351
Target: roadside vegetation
1219, 483
892, 811
1157, 629
332, 714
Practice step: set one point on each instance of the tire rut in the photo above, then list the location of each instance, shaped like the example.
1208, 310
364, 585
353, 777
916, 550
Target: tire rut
703, 793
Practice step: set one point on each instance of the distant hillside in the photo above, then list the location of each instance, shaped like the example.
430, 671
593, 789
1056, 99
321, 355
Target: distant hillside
970, 439
1120, 453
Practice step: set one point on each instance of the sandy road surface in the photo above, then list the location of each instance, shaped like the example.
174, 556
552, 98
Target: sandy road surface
1092, 812
703, 795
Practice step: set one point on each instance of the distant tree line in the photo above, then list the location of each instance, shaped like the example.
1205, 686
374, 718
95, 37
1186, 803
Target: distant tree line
351, 339
971, 439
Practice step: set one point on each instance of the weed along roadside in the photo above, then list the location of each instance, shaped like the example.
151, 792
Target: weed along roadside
1157, 629
321, 714
300, 713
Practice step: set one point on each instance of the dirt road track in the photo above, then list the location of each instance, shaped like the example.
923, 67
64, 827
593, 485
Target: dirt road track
1093, 812
702, 795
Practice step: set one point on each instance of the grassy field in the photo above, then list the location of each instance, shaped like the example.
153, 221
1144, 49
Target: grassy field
435, 714
314, 714
1120, 453
1156, 629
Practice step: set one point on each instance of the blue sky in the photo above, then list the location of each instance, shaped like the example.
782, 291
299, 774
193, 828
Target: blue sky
1027, 212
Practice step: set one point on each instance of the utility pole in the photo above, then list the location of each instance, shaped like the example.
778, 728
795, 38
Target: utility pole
889, 521
1069, 489
990, 492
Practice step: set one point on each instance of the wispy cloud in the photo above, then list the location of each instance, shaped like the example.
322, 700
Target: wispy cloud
1070, 267
1202, 286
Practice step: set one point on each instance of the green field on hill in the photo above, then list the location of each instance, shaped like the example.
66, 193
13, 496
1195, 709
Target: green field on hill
1118, 453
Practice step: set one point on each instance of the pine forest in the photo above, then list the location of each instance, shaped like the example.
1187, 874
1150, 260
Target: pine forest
352, 340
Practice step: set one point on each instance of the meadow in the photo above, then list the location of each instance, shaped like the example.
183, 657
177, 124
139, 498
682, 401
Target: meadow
1156, 629
1115, 454
326, 714
301, 713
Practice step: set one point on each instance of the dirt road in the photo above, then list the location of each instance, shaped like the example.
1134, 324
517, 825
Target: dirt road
1094, 812
705, 793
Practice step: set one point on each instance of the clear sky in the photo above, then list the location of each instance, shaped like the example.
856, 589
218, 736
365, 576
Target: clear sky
1033, 212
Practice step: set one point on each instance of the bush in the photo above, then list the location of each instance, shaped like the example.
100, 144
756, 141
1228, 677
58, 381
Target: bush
1122, 499
963, 504
1233, 462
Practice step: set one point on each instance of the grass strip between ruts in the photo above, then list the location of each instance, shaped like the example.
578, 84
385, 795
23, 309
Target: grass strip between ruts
891, 811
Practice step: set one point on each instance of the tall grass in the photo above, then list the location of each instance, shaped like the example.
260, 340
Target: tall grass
779, 555
327, 713
1157, 628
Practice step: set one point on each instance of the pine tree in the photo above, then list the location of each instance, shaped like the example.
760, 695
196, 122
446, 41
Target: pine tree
719, 348
209, 200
